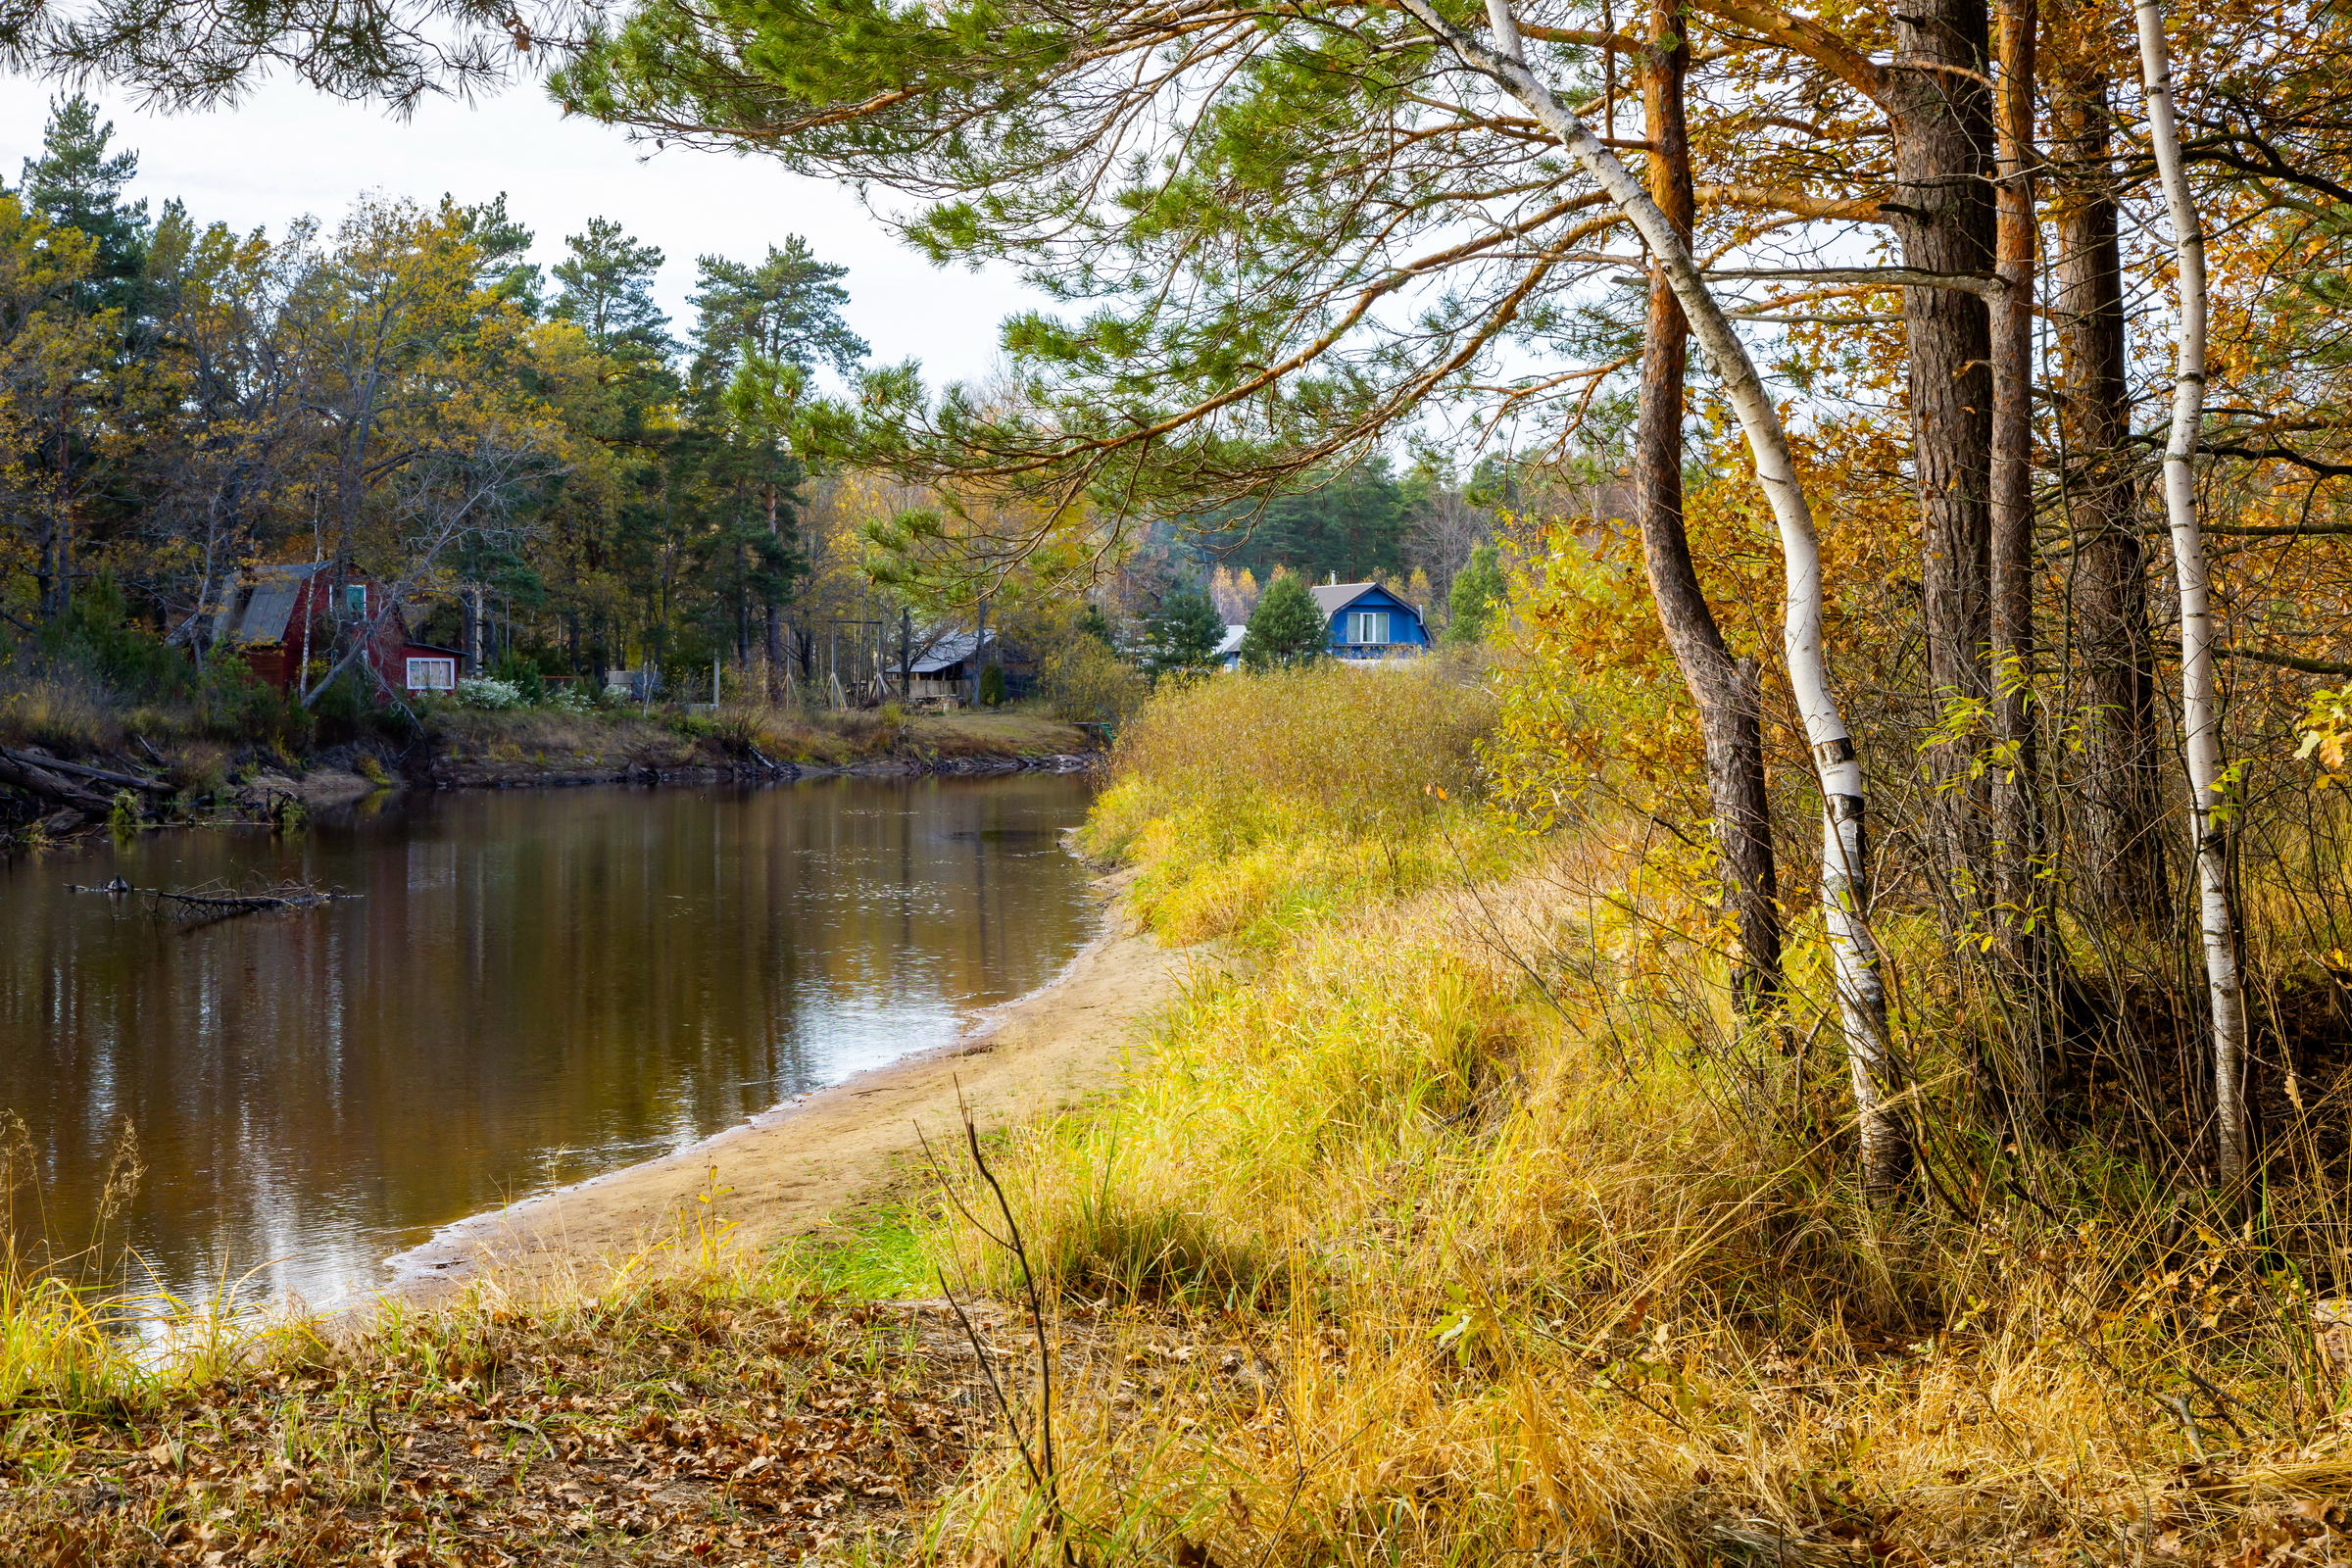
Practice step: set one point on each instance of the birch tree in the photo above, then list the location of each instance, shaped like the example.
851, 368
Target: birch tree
1294, 232
2200, 708
1861, 995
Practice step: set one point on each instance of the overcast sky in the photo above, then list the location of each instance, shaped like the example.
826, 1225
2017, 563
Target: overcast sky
287, 152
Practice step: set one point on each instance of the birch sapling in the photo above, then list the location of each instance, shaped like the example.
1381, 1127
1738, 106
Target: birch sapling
2200, 710
1861, 993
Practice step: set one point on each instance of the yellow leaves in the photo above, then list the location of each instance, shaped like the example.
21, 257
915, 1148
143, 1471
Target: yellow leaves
2324, 729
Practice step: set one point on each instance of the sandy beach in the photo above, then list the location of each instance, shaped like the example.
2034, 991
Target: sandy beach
792, 1168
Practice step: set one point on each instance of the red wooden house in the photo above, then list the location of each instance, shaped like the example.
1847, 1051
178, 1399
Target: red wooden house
285, 619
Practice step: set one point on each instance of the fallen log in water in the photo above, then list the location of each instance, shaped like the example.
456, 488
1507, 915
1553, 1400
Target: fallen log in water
222, 902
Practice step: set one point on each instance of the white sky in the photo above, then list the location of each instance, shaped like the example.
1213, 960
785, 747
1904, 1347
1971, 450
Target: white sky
288, 151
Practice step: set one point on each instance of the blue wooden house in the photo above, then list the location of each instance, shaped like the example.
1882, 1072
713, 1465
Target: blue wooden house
1367, 621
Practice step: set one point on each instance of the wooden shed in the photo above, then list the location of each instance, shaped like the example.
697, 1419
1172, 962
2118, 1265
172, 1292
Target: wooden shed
284, 618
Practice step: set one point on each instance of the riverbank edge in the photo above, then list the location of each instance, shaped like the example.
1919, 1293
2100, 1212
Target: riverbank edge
65, 794
793, 1170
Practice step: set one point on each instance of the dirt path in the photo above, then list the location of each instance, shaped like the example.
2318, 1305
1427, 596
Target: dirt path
792, 1167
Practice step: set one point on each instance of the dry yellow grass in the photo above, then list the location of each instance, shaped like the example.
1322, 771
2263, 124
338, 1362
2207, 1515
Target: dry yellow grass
1463, 1228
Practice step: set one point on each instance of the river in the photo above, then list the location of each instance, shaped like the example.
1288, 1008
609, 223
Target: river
532, 987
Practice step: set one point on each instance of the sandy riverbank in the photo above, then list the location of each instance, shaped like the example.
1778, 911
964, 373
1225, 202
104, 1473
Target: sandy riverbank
792, 1168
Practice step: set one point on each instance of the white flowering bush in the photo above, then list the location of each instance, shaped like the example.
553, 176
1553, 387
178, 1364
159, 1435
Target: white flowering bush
484, 691
569, 699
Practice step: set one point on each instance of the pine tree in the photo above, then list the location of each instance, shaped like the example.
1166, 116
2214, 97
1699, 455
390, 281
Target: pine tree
503, 242
75, 185
785, 310
608, 284
1183, 635
1285, 629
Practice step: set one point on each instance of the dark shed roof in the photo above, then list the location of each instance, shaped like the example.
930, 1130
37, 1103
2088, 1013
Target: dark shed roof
270, 604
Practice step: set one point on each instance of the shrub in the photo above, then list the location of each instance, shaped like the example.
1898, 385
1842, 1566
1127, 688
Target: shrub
490, 693
992, 686
1084, 682
232, 703
520, 672
66, 711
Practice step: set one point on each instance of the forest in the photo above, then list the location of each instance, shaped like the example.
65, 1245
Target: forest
548, 479
530, 459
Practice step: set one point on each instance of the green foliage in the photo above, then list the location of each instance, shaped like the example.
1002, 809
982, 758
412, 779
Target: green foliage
992, 686
607, 290
1183, 634
502, 243
233, 704
1285, 629
1480, 591
522, 671
785, 309
75, 185
98, 635
1350, 523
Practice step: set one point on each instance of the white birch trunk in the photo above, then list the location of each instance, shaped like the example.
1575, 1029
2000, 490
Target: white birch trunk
2200, 712
1861, 995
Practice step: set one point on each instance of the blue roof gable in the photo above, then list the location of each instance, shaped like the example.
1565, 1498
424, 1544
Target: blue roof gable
1343, 604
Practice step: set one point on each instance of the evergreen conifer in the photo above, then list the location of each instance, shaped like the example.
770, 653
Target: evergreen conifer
1285, 629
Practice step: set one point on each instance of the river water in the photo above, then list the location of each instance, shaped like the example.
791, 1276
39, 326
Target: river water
533, 987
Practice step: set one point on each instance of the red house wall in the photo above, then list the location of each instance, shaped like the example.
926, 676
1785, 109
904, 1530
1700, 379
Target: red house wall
277, 665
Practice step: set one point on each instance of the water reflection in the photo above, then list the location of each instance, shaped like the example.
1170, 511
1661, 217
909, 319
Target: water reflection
535, 986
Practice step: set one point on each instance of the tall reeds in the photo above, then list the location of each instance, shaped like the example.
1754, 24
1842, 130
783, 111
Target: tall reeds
1459, 1223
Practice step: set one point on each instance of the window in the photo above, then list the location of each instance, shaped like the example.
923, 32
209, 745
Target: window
1368, 626
355, 598
432, 674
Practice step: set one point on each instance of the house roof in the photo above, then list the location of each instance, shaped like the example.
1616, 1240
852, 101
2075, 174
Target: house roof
270, 601
1332, 598
948, 648
1231, 642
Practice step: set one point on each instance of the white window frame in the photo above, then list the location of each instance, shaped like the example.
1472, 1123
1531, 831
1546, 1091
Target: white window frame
447, 666
1361, 622
355, 599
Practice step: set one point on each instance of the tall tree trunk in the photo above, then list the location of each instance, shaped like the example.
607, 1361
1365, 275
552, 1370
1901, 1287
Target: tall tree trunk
2201, 707
774, 630
2020, 929
979, 646
54, 571
2108, 597
1723, 691
1844, 887
1944, 216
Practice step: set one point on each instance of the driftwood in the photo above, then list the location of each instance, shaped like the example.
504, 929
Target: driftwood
221, 902
36, 778
97, 775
